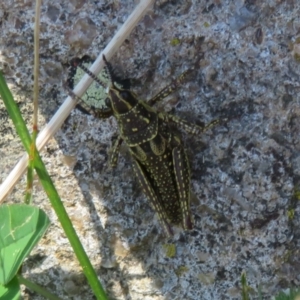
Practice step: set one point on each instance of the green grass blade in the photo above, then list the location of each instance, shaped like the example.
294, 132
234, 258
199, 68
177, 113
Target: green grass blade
51, 191
38, 289
11, 291
245, 288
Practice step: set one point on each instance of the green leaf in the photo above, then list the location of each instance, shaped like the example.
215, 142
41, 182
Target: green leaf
21, 227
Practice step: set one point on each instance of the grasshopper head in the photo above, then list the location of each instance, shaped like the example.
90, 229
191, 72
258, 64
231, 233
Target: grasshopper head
120, 101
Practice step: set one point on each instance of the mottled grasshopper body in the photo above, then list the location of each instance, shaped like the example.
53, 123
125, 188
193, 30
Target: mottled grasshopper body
159, 159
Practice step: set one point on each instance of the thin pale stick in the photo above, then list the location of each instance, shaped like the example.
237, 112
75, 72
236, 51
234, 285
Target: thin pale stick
57, 120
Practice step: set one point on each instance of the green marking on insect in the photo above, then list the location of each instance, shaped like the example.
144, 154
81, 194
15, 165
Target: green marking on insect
159, 158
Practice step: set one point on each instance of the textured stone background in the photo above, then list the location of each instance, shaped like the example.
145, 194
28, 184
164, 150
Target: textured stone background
245, 173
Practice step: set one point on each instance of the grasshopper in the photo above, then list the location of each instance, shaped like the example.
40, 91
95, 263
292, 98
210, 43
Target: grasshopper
159, 158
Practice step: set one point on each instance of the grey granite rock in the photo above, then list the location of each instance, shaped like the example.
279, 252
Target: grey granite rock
245, 61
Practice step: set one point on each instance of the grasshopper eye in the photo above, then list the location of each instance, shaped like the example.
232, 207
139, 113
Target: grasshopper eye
107, 102
125, 95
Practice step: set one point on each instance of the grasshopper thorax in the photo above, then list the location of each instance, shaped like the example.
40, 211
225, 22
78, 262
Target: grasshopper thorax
137, 122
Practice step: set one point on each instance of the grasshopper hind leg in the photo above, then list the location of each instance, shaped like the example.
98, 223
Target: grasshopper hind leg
115, 152
182, 175
152, 197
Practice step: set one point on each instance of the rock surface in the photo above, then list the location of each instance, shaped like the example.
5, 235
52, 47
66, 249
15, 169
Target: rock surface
245, 57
